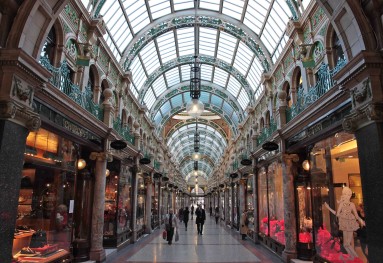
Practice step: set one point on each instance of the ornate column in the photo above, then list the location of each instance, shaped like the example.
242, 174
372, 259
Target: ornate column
108, 108
290, 250
226, 211
20, 77
97, 251
232, 205
148, 206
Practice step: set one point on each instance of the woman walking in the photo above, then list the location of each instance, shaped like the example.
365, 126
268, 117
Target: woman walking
170, 224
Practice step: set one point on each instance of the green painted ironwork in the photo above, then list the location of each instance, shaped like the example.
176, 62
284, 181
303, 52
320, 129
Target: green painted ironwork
293, 8
123, 131
203, 21
188, 60
156, 165
324, 84
61, 80
267, 132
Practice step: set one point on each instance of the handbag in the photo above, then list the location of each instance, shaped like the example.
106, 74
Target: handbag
164, 234
39, 239
177, 237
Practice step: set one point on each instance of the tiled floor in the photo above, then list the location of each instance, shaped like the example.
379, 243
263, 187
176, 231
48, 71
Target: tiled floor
217, 244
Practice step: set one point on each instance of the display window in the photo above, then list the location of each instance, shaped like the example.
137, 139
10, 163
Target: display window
270, 196
140, 220
110, 209
249, 202
338, 215
262, 202
222, 208
46, 199
229, 205
235, 205
124, 202
154, 212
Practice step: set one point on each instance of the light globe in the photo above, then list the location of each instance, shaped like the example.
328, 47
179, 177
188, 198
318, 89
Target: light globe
194, 108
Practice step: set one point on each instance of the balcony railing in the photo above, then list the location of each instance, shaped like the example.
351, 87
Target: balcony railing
61, 80
123, 131
267, 132
324, 84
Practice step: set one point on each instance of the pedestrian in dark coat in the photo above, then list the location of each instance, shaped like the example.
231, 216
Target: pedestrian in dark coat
200, 219
186, 217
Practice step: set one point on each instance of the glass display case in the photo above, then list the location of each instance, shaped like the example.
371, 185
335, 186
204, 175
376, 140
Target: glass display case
124, 204
110, 208
250, 205
141, 201
262, 203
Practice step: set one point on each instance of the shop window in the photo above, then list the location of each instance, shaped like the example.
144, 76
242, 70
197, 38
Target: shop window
249, 202
262, 197
124, 202
46, 198
110, 204
141, 202
335, 170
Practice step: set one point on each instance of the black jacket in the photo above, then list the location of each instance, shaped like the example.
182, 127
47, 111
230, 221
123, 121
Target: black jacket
201, 216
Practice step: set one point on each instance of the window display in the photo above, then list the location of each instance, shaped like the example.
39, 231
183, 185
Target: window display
270, 195
124, 201
332, 193
236, 207
141, 203
110, 204
45, 210
249, 202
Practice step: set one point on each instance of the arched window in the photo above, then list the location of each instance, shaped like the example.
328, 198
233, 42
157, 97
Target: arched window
262, 124
104, 86
286, 88
49, 46
337, 48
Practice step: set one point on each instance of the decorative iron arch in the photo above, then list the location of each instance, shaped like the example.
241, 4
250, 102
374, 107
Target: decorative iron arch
207, 86
204, 18
209, 60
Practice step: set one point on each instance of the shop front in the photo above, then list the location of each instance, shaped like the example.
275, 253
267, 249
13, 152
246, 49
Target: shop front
271, 209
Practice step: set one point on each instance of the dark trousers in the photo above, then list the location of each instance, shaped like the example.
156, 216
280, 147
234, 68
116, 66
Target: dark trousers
199, 228
216, 219
186, 224
169, 234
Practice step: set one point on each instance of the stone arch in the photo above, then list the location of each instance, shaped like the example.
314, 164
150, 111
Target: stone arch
286, 88
104, 85
267, 118
296, 83
130, 123
124, 118
261, 123
349, 17
30, 16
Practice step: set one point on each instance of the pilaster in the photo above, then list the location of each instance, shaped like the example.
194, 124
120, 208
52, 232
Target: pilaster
148, 206
290, 250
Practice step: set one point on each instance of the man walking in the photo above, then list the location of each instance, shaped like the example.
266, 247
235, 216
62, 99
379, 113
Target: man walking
200, 219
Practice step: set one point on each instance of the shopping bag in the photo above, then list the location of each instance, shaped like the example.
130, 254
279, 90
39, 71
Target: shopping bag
164, 234
177, 237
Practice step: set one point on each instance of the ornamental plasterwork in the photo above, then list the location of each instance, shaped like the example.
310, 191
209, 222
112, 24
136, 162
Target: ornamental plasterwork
22, 91
361, 94
71, 49
72, 16
190, 21
184, 89
190, 59
318, 52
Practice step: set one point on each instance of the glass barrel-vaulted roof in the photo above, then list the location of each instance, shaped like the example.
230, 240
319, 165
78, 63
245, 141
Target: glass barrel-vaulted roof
235, 40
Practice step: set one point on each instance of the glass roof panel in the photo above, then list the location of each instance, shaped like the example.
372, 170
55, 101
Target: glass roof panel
226, 47
149, 99
216, 100
235, 118
220, 77
254, 76
150, 58
280, 47
137, 14
207, 41
227, 108
206, 72
210, 4
243, 99
205, 96
183, 4
234, 86
258, 92
138, 73
185, 37
166, 107
176, 101
159, 86
166, 47
243, 58
185, 72
172, 76
256, 12
233, 8
158, 117
159, 8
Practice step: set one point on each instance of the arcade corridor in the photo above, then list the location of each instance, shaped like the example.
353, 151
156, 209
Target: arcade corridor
217, 244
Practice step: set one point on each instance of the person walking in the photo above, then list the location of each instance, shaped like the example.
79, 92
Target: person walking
180, 214
186, 217
170, 224
211, 210
244, 222
200, 218
192, 211
216, 210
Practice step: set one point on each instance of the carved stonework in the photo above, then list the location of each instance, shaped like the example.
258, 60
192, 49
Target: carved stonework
361, 94
363, 116
22, 91
101, 156
19, 114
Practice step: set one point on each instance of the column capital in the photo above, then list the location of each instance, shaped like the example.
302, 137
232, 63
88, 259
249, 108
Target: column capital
363, 116
243, 181
18, 113
289, 158
101, 156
